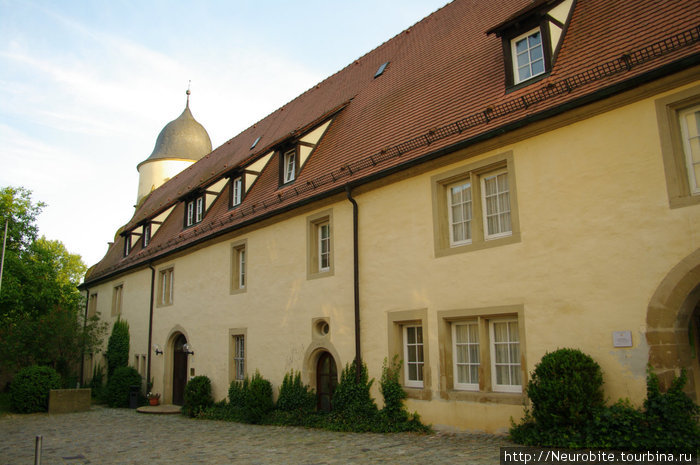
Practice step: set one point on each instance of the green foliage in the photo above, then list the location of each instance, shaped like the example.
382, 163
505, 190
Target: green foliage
197, 396
296, 396
237, 392
119, 385
97, 382
29, 391
258, 400
42, 315
117, 354
353, 406
667, 422
393, 392
565, 389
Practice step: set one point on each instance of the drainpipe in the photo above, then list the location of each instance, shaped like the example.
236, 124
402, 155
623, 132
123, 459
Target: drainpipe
150, 327
356, 282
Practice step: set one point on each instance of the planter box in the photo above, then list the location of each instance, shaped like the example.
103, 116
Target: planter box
69, 400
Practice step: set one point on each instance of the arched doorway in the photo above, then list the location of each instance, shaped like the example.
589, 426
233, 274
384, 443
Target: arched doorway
326, 381
673, 325
179, 370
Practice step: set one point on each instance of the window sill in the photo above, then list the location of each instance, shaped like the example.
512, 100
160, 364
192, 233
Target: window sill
508, 398
494, 242
418, 393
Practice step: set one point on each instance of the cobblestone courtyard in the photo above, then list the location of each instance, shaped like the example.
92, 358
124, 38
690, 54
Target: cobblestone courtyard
120, 436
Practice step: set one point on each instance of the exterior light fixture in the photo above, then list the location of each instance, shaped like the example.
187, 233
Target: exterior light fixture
187, 349
157, 349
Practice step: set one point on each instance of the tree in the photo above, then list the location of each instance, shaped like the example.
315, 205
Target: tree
42, 318
117, 354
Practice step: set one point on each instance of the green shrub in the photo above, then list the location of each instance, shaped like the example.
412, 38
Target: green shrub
237, 392
97, 383
197, 396
393, 392
29, 391
117, 354
258, 400
295, 395
353, 406
566, 389
119, 386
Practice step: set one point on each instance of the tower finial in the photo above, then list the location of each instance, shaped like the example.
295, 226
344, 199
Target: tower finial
188, 92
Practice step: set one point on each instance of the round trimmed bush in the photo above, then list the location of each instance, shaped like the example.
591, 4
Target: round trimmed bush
197, 396
566, 389
29, 391
119, 384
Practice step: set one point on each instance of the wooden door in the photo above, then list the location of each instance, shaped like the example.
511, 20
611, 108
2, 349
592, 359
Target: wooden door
326, 381
179, 371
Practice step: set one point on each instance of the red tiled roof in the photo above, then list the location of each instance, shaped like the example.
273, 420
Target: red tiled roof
444, 73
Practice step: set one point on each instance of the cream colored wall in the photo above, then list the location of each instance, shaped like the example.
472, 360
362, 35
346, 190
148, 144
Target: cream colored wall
597, 238
152, 174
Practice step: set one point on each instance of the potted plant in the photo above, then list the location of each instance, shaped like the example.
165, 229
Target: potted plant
153, 398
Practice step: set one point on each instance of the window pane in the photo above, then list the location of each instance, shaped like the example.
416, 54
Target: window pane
537, 67
412, 355
534, 39
502, 374
411, 335
474, 372
419, 334
521, 45
419, 372
412, 372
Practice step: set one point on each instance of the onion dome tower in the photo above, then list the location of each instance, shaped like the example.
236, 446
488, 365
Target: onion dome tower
182, 142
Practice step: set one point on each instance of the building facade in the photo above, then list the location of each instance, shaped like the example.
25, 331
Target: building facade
492, 184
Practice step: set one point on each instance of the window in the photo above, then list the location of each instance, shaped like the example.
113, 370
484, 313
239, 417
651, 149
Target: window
679, 132
474, 207
484, 356
237, 191
690, 131
528, 56
413, 355
289, 165
320, 245
117, 300
166, 283
92, 305
465, 350
127, 244
194, 211
408, 341
239, 275
146, 234
239, 356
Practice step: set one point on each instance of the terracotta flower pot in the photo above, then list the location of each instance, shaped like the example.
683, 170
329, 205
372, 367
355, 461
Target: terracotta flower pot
154, 401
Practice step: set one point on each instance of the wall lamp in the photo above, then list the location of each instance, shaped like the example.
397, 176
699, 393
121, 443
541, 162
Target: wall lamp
187, 349
157, 349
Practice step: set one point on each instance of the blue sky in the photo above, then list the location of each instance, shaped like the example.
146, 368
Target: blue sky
86, 86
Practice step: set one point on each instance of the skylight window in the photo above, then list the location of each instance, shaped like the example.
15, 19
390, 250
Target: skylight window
255, 143
381, 69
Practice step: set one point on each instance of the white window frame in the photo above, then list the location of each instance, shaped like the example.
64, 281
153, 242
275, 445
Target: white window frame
514, 54
239, 356
419, 364
473, 386
688, 135
237, 191
146, 234
199, 213
241, 252
466, 222
324, 246
510, 363
190, 213
484, 203
290, 165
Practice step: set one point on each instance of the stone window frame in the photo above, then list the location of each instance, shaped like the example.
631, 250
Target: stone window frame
234, 333
483, 316
166, 286
92, 305
237, 248
117, 299
396, 321
475, 171
668, 110
313, 246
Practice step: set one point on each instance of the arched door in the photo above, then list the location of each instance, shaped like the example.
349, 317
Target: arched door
326, 381
179, 370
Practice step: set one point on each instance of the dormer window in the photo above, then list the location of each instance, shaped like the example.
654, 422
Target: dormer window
194, 211
289, 165
236, 191
127, 244
146, 234
528, 56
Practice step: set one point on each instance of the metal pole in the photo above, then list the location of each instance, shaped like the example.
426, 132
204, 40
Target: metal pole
37, 451
2, 262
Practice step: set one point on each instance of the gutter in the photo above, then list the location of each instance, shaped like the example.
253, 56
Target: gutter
356, 282
150, 327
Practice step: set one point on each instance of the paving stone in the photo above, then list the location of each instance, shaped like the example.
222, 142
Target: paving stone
122, 436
